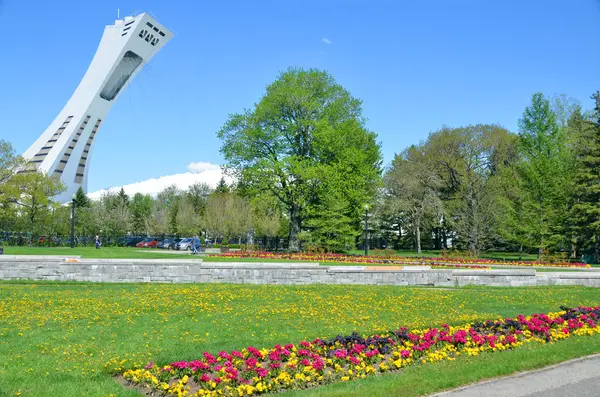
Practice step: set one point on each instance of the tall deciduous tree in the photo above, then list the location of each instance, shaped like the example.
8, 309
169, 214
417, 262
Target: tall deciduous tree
141, 209
228, 215
304, 138
412, 189
112, 214
188, 221
196, 195
169, 198
266, 215
10, 163
467, 159
32, 193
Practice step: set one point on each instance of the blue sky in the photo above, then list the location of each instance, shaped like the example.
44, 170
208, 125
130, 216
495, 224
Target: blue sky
417, 65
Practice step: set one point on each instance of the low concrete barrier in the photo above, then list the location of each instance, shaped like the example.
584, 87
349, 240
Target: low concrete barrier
197, 271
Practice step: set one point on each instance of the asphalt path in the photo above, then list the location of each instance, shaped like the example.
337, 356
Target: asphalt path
579, 378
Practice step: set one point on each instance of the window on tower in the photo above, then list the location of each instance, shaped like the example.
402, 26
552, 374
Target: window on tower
120, 75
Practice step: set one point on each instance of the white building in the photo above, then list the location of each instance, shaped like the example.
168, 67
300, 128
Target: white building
64, 150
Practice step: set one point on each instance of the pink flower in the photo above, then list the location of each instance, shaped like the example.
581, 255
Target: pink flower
204, 378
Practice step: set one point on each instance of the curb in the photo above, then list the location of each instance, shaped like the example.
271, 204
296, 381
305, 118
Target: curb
514, 376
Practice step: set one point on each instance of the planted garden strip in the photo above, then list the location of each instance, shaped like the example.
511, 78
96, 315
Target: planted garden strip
392, 260
308, 364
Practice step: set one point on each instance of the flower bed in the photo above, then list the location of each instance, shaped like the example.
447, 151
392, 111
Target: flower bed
391, 260
308, 364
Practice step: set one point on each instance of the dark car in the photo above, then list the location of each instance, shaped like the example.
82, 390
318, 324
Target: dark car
131, 241
169, 243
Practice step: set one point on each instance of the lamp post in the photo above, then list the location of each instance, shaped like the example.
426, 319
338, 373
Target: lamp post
73, 222
366, 229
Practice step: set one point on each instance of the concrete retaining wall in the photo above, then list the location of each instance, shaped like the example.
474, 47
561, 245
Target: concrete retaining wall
195, 271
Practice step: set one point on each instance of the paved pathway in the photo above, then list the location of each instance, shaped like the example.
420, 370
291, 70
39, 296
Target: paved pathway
579, 378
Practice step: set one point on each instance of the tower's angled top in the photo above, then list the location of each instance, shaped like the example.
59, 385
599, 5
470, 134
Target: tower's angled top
64, 149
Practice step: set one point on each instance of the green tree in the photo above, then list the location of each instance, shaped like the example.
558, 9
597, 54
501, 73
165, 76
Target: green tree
412, 189
10, 162
196, 195
85, 224
512, 226
304, 139
158, 222
330, 227
228, 215
112, 215
586, 207
188, 221
169, 199
467, 161
544, 171
266, 215
222, 186
141, 209
81, 199
123, 197
31, 192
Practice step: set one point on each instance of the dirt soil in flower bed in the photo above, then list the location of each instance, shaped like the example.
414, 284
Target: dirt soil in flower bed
310, 364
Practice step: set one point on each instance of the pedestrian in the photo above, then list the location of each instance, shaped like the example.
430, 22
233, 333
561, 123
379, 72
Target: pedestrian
194, 246
98, 242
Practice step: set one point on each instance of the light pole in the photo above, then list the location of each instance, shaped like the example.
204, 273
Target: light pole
366, 229
73, 222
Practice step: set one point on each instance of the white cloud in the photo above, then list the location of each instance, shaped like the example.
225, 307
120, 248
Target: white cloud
325, 40
198, 172
202, 166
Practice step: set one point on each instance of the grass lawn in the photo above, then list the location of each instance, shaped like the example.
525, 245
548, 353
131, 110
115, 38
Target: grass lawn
92, 252
129, 252
55, 338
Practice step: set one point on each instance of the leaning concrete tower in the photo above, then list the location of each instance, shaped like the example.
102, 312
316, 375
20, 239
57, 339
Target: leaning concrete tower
64, 150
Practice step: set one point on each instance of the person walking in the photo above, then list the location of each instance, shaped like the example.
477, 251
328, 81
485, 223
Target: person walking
98, 242
195, 245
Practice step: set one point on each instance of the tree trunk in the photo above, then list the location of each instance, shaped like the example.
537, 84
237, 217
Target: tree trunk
294, 244
521, 252
418, 232
597, 250
541, 249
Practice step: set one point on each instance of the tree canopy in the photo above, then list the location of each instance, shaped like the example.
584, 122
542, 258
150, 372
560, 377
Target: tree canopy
303, 140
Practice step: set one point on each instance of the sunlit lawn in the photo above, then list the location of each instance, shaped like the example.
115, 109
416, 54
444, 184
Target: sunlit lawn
104, 252
130, 252
55, 338
136, 253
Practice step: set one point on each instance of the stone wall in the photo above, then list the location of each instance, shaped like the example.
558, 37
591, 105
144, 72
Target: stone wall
195, 271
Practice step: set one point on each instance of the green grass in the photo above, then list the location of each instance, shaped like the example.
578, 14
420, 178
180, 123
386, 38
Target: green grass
137, 253
92, 252
55, 338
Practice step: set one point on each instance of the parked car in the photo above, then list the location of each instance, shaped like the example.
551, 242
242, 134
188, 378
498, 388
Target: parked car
147, 243
187, 243
131, 241
169, 243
